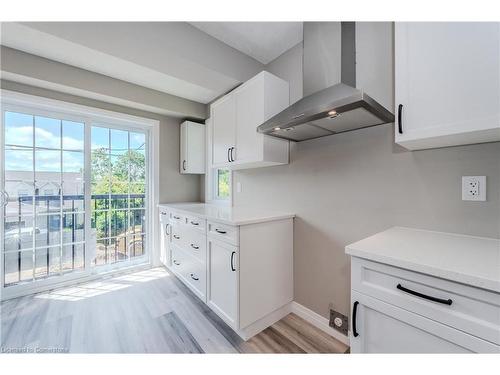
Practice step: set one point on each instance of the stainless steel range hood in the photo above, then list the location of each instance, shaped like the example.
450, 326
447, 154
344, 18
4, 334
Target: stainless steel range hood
336, 109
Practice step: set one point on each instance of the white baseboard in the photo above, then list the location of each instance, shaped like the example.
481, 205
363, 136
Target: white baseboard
318, 321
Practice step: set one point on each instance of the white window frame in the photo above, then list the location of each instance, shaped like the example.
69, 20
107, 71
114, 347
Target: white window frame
15, 101
211, 175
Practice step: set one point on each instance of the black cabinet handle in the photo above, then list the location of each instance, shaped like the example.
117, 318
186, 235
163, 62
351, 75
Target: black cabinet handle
232, 157
195, 223
232, 261
166, 229
430, 298
400, 121
176, 263
195, 247
184, 165
194, 277
177, 237
228, 157
220, 231
354, 312
177, 217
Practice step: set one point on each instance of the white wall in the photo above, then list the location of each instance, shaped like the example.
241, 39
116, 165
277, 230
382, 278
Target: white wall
349, 186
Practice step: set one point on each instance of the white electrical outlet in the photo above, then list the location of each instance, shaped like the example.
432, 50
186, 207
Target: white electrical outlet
473, 188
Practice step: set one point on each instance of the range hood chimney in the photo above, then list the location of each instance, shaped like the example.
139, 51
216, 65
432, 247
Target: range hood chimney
329, 107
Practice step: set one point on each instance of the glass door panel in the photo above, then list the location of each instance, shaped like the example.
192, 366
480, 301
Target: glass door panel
119, 165
44, 204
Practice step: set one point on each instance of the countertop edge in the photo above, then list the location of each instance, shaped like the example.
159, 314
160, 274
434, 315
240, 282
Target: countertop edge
450, 275
250, 221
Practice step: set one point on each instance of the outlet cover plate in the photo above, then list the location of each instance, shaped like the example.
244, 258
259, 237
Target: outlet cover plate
473, 188
335, 316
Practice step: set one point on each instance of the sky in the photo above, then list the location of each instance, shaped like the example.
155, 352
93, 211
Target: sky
48, 134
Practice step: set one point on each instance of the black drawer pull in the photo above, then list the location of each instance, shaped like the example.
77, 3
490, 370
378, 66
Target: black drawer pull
195, 223
220, 231
400, 121
430, 298
194, 277
177, 217
176, 263
177, 237
195, 247
354, 312
232, 261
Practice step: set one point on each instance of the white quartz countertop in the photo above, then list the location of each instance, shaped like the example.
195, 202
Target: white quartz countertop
228, 215
465, 259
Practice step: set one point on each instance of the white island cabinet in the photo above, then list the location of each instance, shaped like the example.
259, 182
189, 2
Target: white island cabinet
239, 261
416, 291
447, 83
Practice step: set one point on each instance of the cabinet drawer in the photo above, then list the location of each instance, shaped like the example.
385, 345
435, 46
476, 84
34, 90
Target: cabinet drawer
191, 271
178, 260
195, 244
196, 223
472, 310
178, 234
195, 276
226, 233
176, 217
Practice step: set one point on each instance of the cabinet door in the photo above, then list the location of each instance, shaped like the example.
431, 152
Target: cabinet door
223, 280
249, 114
384, 328
183, 159
223, 130
192, 148
447, 78
165, 240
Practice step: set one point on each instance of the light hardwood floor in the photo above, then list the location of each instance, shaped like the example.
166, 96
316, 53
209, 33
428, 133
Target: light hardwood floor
143, 312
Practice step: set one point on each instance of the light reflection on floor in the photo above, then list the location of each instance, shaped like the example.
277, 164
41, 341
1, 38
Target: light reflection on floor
96, 288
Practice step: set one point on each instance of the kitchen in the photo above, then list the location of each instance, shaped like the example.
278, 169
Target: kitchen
306, 192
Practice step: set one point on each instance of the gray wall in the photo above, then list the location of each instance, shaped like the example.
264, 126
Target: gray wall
174, 187
349, 186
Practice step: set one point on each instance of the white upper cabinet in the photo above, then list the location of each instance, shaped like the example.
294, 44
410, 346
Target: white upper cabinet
192, 158
223, 129
447, 84
235, 118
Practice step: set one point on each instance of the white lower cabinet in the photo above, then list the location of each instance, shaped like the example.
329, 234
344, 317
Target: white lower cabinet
244, 273
384, 328
400, 311
223, 280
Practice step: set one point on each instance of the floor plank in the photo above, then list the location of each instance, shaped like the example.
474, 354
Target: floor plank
148, 311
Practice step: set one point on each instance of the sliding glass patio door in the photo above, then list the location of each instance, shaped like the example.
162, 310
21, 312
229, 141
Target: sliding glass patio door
74, 197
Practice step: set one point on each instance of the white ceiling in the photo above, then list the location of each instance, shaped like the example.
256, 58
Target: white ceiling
264, 41
171, 57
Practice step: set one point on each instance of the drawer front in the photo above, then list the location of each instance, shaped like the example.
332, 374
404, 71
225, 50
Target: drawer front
178, 218
195, 276
195, 243
178, 234
178, 261
472, 310
164, 216
196, 223
226, 233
